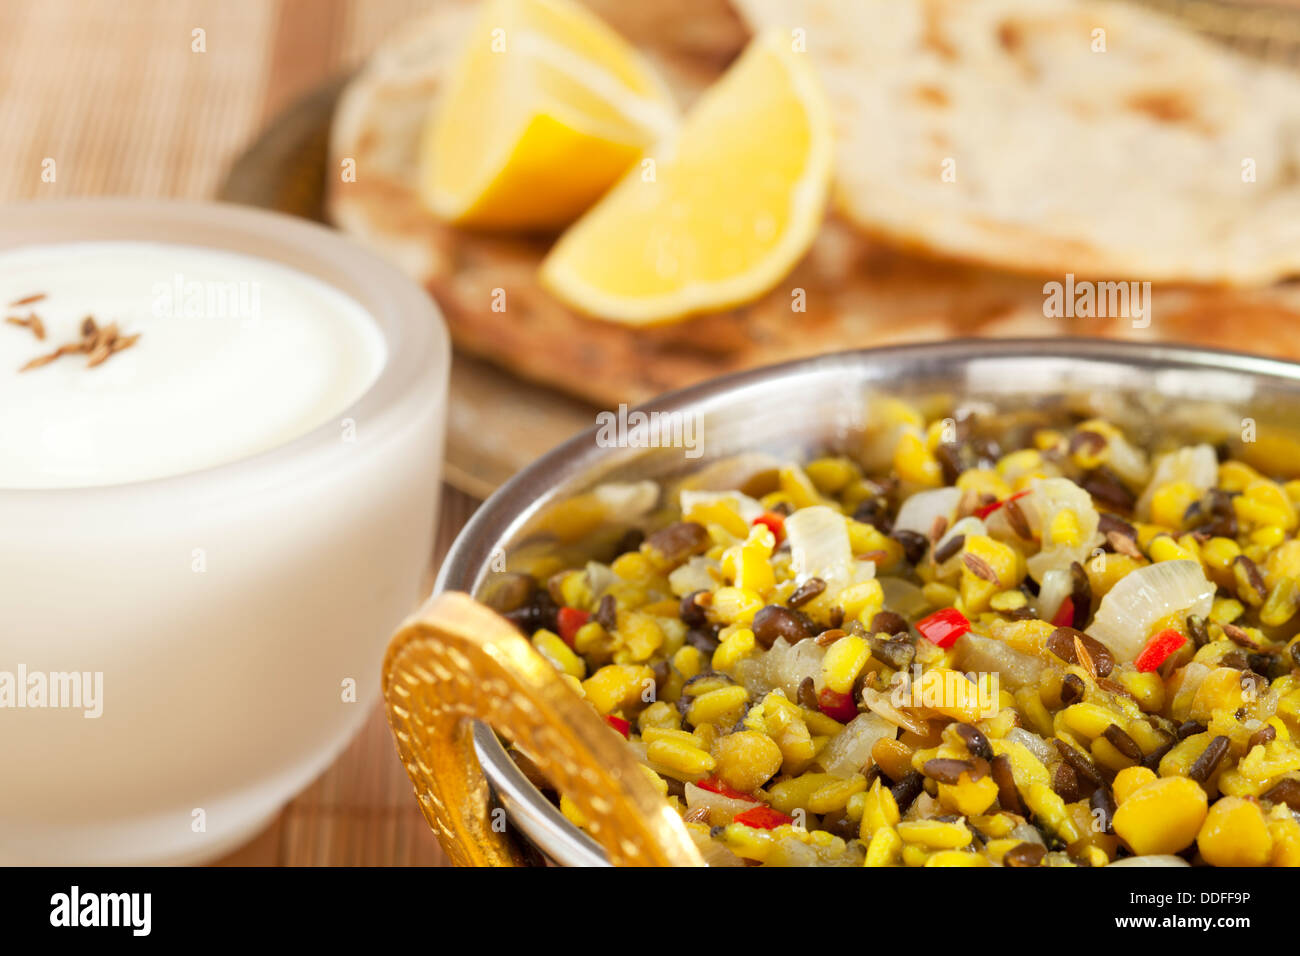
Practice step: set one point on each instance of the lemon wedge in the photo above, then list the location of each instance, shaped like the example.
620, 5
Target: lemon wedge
720, 212
544, 111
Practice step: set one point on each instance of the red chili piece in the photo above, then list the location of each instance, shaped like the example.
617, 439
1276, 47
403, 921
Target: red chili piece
942, 628
714, 785
762, 818
569, 620
1158, 650
836, 706
1064, 615
774, 523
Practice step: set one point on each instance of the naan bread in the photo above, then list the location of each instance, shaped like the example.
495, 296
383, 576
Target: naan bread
1126, 163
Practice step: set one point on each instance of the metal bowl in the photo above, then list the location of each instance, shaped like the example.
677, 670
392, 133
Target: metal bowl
1165, 392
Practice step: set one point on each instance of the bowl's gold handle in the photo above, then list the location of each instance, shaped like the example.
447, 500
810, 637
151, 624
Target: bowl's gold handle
456, 661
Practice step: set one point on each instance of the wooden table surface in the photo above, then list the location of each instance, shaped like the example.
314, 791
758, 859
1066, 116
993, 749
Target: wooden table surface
117, 98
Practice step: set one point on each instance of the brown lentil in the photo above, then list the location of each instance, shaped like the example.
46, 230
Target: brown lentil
1086, 441
1203, 767
677, 542
1263, 736
975, 741
907, 790
1072, 689
1008, 795
898, 652
949, 548
1017, 520
774, 622
1062, 643
691, 613
1152, 760
606, 612
1285, 791
806, 592
1122, 742
888, 623
913, 543
1027, 853
1103, 800
1253, 578
1080, 596
1081, 763
947, 769
1066, 782
1104, 485
808, 694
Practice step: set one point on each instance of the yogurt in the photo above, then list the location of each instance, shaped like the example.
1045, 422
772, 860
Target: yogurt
236, 355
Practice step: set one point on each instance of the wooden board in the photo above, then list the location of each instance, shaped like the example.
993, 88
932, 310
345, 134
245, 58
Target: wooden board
499, 421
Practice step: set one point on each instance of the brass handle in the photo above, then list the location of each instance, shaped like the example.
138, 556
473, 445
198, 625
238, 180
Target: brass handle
456, 661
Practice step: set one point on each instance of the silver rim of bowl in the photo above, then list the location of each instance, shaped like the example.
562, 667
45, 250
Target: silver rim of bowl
531, 489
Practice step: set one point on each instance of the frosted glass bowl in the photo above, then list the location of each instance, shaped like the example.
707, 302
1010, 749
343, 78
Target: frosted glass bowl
225, 691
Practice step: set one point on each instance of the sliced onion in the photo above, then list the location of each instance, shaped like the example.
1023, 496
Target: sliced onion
1197, 465
850, 750
919, 511
697, 574
751, 674
627, 499
721, 807
923, 808
713, 851
1145, 595
985, 655
1052, 592
880, 703
819, 544
1035, 744
861, 570
883, 421
785, 666
1266, 705
733, 471
904, 597
747, 507
1026, 833
1188, 679
599, 577
1047, 498
1127, 461
791, 852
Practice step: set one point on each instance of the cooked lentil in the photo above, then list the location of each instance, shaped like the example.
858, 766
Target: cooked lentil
840, 671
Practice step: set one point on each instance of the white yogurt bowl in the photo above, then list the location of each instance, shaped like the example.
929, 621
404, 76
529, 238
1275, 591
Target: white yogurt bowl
225, 625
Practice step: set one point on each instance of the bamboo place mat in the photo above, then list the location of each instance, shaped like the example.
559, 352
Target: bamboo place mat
115, 95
